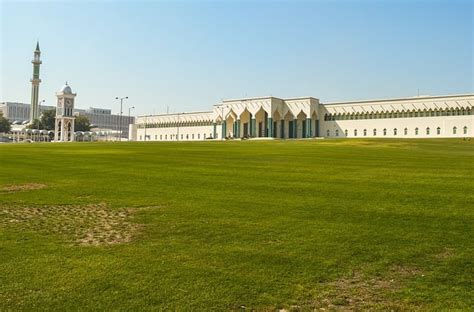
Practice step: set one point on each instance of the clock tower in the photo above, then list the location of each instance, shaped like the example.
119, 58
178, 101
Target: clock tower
64, 123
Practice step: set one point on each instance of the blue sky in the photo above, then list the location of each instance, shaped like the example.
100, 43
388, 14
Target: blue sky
188, 55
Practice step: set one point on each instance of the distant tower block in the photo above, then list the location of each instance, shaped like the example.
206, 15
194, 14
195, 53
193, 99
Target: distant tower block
64, 124
35, 81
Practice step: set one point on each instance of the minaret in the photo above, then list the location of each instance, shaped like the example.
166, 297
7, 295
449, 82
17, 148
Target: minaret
35, 81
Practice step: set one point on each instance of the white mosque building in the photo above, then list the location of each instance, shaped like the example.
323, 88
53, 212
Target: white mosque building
270, 117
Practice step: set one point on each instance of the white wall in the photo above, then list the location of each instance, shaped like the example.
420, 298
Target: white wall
197, 133
446, 123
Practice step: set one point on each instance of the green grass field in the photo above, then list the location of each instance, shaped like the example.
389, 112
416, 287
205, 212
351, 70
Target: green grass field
265, 225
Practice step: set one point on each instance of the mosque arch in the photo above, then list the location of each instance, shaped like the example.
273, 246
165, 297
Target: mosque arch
288, 129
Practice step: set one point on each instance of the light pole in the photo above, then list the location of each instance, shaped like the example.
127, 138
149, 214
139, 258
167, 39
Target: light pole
130, 108
121, 112
39, 113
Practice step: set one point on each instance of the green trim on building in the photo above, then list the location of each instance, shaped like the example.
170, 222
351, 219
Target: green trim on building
214, 125
303, 130
270, 127
282, 129
237, 129
253, 126
295, 128
224, 130
309, 131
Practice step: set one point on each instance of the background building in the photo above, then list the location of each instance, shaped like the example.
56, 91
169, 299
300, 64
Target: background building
20, 112
271, 117
101, 118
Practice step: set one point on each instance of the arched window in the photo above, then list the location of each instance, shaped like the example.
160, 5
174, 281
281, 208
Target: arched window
455, 130
416, 131
384, 131
345, 132
375, 132
328, 133
355, 132
438, 130
337, 132
395, 131
365, 132
405, 131
428, 131
166, 137
464, 130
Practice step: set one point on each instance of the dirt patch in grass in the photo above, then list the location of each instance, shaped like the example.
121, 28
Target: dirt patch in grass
446, 253
94, 224
10, 188
364, 293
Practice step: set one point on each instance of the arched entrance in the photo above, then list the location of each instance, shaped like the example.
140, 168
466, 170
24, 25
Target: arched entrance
261, 118
230, 126
288, 126
245, 124
277, 120
300, 125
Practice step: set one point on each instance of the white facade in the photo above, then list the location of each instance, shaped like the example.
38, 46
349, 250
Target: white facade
417, 117
173, 127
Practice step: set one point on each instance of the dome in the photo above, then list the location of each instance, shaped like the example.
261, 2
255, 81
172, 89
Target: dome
66, 89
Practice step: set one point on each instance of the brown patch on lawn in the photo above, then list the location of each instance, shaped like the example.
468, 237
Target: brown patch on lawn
10, 188
361, 293
94, 224
445, 253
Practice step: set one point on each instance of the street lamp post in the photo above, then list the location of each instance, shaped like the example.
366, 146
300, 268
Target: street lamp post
121, 112
39, 111
130, 108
